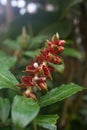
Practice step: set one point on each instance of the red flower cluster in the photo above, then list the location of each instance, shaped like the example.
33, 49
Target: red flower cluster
41, 69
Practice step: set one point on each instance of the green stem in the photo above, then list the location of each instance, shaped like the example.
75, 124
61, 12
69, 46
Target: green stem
34, 125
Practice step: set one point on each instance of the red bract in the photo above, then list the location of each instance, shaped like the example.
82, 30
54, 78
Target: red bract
53, 59
60, 49
51, 69
57, 60
46, 71
44, 54
30, 69
40, 82
29, 94
61, 43
55, 38
41, 67
27, 80
39, 59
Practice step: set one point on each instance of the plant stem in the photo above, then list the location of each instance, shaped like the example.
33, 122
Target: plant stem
34, 125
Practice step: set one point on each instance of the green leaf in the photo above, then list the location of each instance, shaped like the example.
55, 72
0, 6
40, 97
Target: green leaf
7, 79
74, 2
69, 42
47, 121
36, 42
59, 68
24, 110
4, 109
73, 53
65, 7
13, 44
58, 94
7, 62
23, 40
62, 27
2, 54
32, 54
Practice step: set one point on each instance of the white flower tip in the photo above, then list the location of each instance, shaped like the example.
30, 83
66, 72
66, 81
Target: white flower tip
35, 65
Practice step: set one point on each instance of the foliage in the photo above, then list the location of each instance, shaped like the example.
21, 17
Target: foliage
18, 112
59, 94
25, 111
29, 110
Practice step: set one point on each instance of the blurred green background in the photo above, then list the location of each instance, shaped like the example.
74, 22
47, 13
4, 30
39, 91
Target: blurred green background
24, 27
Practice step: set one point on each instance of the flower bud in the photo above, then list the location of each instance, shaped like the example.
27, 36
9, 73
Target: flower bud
57, 60
60, 49
61, 42
55, 38
50, 57
54, 59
